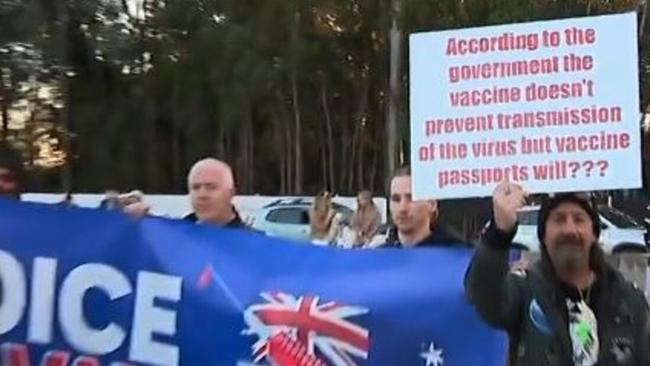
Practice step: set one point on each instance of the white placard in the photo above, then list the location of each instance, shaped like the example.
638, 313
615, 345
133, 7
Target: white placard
552, 105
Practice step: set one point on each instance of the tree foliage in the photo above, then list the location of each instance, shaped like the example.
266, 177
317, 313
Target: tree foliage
129, 93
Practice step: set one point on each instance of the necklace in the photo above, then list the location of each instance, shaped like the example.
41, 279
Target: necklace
586, 298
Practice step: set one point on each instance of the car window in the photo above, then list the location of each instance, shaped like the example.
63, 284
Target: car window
528, 217
289, 215
618, 218
345, 212
341, 208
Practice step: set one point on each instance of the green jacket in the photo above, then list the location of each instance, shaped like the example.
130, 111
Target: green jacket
528, 306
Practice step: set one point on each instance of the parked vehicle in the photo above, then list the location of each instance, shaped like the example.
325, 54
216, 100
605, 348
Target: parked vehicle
619, 231
290, 218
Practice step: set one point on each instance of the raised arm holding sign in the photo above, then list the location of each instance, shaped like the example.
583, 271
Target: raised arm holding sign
569, 308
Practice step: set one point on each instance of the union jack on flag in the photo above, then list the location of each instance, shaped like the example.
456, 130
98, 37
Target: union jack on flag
323, 329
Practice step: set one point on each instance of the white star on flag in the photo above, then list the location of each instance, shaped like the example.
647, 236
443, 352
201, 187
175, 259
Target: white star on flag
433, 356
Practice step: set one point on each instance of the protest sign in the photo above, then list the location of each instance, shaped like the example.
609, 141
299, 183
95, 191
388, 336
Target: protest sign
552, 105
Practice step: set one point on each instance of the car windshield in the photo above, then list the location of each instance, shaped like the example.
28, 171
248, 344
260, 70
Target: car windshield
619, 219
345, 211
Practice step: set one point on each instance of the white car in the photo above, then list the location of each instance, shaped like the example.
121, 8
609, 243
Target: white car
289, 218
619, 232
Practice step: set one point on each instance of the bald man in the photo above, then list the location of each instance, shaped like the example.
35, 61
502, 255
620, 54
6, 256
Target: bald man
211, 187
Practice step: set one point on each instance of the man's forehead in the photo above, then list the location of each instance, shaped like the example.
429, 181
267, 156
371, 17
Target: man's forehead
569, 208
401, 185
210, 165
206, 174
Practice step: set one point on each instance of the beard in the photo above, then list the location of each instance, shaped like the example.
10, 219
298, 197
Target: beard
570, 256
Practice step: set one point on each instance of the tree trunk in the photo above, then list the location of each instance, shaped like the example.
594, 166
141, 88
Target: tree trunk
361, 159
221, 96
247, 171
358, 119
395, 39
283, 173
346, 146
125, 8
329, 177
242, 157
176, 160
30, 128
244, 172
353, 159
298, 188
323, 150
5, 114
228, 147
250, 169
377, 144
31, 153
373, 171
297, 135
378, 139
221, 140
286, 149
643, 19
65, 116
175, 139
288, 154
278, 137
153, 179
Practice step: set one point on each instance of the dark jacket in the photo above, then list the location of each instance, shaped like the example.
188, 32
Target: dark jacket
530, 306
235, 223
441, 235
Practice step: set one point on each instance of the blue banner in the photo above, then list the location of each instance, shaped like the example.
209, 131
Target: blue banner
86, 287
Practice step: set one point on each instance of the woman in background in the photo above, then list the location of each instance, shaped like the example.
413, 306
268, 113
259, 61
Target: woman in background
366, 220
323, 220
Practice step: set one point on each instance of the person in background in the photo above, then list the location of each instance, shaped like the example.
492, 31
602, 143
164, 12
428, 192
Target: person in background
324, 222
130, 198
571, 307
416, 223
111, 200
12, 172
211, 186
133, 204
366, 219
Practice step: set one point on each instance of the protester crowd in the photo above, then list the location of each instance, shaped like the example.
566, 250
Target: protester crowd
568, 308
211, 188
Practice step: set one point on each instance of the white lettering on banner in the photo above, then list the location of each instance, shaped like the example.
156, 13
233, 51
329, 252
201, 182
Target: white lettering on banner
16, 354
75, 328
42, 295
148, 319
13, 302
